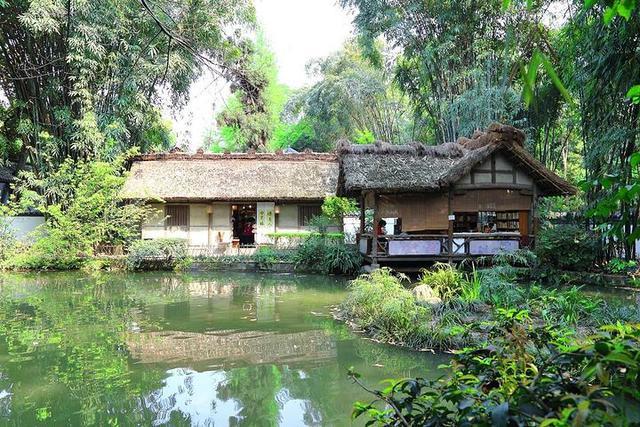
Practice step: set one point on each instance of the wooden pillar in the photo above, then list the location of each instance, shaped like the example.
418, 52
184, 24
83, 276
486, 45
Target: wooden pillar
362, 212
533, 229
209, 224
376, 220
450, 231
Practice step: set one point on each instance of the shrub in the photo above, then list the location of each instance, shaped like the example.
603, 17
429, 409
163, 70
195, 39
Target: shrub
570, 306
52, 251
336, 207
8, 241
620, 266
158, 254
444, 279
524, 376
320, 255
379, 303
265, 257
519, 258
566, 247
450, 283
84, 209
343, 259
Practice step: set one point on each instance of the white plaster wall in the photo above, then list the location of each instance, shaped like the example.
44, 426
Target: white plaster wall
482, 178
153, 228
288, 218
22, 226
198, 224
221, 232
504, 178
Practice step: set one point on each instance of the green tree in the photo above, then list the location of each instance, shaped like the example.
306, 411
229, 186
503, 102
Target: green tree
83, 78
353, 96
457, 59
252, 116
84, 209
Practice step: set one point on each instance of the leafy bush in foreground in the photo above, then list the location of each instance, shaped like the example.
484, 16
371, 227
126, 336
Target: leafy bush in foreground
84, 209
526, 376
158, 254
468, 301
55, 249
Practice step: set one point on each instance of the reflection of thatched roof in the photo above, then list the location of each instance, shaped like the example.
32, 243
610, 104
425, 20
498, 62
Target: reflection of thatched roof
231, 346
237, 176
415, 167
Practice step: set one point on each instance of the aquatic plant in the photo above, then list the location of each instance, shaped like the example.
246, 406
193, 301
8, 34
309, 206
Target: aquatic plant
380, 304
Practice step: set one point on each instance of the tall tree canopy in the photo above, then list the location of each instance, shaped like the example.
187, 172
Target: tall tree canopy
83, 78
354, 98
252, 113
457, 60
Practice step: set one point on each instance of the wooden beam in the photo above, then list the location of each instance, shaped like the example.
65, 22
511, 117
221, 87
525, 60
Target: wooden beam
499, 186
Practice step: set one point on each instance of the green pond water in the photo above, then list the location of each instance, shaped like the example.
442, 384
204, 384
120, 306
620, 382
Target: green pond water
170, 349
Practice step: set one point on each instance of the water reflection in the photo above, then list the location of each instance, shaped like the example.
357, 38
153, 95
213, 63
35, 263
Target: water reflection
193, 396
230, 347
223, 349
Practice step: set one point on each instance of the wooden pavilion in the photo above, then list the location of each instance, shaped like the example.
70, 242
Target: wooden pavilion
471, 198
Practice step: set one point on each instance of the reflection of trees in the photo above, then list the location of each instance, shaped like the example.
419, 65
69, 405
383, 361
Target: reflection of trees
256, 387
74, 343
70, 333
189, 397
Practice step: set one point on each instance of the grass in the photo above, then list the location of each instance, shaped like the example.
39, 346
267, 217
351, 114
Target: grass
381, 305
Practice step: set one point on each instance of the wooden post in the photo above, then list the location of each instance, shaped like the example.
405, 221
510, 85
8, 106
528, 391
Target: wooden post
533, 229
376, 220
450, 231
209, 224
362, 212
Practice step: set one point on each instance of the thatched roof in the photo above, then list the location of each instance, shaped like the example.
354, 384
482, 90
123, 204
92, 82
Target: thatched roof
6, 173
233, 176
416, 167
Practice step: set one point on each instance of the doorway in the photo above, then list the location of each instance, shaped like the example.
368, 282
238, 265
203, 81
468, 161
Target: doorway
244, 223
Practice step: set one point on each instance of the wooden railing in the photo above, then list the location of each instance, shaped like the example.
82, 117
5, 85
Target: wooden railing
439, 245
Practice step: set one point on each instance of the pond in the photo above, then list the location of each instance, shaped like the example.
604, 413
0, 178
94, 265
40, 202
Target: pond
194, 349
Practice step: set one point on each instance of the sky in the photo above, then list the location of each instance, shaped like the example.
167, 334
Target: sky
297, 31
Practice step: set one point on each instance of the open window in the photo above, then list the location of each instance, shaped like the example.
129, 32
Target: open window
465, 222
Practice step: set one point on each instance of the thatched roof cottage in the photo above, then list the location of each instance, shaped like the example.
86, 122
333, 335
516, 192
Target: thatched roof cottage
473, 197
237, 198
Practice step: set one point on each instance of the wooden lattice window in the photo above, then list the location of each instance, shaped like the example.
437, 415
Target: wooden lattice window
176, 215
306, 212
